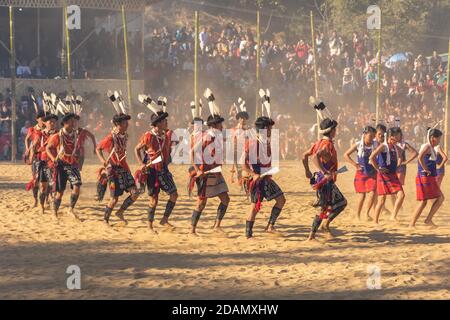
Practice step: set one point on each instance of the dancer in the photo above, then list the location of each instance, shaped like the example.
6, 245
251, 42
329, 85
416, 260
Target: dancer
441, 162
385, 160
157, 145
323, 154
258, 165
403, 147
39, 150
239, 133
34, 162
208, 158
119, 176
196, 131
61, 150
427, 186
366, 177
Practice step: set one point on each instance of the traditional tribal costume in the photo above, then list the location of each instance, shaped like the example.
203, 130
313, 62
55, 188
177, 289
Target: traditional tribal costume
211, 183
239, 135
63, 147
440, 172
388, 183
330, 200
263, 187
115, 145
427, 186
365, 179
196, 136
157, 144
34, 162
43, 169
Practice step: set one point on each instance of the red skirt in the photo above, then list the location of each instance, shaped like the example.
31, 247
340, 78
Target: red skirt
364, 183
427, 188
388, 184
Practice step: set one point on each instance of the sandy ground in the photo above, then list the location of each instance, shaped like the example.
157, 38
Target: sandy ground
130, 263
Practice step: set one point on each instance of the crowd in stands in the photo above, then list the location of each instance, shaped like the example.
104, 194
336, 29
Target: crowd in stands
412, 88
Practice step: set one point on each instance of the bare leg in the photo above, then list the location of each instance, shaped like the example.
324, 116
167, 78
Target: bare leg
109, 208
169, 208
417, 213
224, 201
73, 200
434, 208
371, 198
379, 207
361, 198
201, 203
57, 203
276, 210
43, 195
151, 213
398, 204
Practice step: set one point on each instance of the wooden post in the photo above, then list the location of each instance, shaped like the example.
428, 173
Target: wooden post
316, 82
258, 64
197, 35
446, 100
127, 65
68, 52
378, 102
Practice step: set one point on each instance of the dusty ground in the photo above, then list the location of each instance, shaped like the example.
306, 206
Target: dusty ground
129, 262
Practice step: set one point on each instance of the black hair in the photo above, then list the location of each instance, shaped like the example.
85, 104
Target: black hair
369, 129
436, 133
118, 118
381, 127
394, 131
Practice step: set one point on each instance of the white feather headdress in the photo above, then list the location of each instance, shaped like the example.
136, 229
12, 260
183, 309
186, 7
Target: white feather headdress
200, 105
265, 100
213, 108
147, 101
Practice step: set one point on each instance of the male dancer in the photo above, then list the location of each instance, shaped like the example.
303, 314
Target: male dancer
262, 186
61, 149
34, 185
385, 160
157, 143
238, 136
83, 135
427, 186
119, 176
366, 177
39, 150
208, 166
330, 200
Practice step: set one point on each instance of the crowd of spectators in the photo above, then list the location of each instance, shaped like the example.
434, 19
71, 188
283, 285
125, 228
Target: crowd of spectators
412, 89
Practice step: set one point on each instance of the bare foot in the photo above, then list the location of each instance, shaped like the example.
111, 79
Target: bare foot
194, 234
73, 214
35, 204
167, 225
274, 232
122, 218
42, 211
412, 226
328, 233
152, 231
431, 225
220, 231
369, 218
